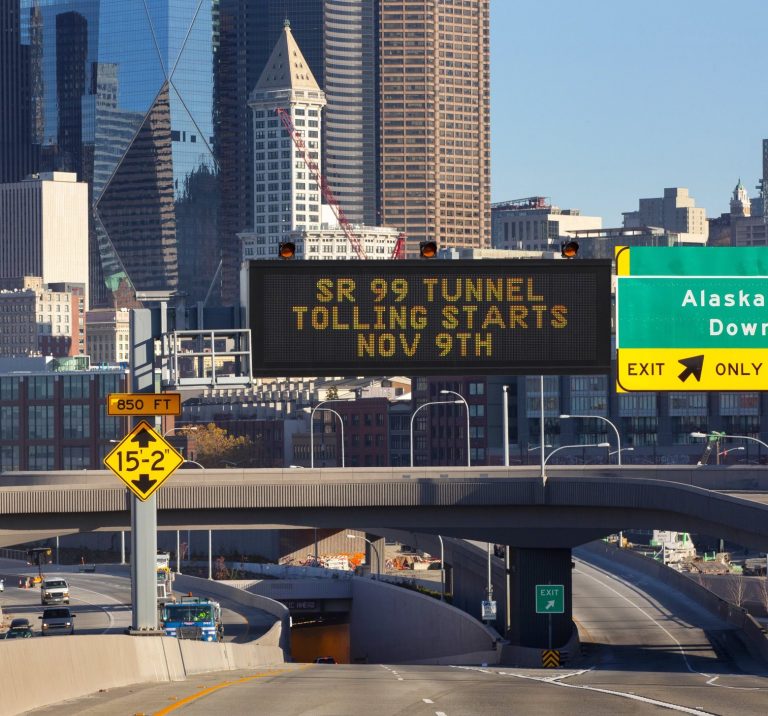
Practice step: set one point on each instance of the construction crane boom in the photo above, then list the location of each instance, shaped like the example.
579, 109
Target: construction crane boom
330, 198
328, 194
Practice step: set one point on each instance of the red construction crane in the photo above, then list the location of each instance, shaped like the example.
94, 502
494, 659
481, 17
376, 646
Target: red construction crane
328, 194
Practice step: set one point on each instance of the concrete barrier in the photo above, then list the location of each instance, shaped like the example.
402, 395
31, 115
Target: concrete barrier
37, 672
42, 671
749, 628
390, 624
278, 636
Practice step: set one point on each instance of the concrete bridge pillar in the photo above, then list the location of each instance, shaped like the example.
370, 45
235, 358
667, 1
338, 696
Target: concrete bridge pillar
529, 567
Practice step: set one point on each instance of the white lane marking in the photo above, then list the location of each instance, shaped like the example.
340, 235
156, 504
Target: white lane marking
105, 609
400, 678
440, 713
568, 676
647, 616
428, 701
710, 679
610, 692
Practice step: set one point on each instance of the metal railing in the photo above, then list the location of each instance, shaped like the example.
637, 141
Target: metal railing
209, 358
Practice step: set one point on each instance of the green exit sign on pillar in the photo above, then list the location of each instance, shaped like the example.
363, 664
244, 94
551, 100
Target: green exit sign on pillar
550, 599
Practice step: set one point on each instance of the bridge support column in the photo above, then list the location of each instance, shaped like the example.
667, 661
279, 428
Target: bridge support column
143, 514
528, 568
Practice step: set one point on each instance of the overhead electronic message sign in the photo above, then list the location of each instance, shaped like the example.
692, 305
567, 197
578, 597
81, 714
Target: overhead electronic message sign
325, 318
692, 318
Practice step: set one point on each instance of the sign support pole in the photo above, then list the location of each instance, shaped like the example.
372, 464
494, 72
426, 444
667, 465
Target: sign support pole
549, 631
143, 513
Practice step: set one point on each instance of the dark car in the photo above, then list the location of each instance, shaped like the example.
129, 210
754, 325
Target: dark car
20, 629
57, 619
325, 660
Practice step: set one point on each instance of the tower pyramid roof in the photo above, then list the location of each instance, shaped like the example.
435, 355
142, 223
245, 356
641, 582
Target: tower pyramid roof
286, 67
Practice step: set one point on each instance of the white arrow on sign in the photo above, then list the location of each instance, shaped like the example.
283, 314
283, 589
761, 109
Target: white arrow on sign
550, 604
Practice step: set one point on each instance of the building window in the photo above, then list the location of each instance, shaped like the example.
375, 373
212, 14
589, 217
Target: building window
9, 422
76, 386
9, 388
41, 457
40, 423
40, 387
9, 457
687, 404
75, 457
739, 403
77, 424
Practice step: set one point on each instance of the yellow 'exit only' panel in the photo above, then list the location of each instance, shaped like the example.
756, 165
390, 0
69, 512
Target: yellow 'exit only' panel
643, 369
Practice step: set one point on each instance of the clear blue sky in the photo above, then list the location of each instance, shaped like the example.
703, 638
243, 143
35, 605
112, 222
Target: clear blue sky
597, 103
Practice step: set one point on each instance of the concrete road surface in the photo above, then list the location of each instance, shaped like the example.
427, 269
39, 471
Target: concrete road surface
646, 652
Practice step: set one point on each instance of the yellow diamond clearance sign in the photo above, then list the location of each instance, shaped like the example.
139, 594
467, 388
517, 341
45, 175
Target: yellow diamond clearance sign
692, 318
143, 460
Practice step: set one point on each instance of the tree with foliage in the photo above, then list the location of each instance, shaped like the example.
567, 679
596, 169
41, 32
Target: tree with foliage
215, 447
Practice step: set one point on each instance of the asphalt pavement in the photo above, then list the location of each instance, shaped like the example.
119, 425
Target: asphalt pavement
647, 651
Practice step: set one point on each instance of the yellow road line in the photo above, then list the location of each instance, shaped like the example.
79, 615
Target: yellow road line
210, 690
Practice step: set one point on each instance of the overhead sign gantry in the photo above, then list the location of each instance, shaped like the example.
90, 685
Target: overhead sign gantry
430, 317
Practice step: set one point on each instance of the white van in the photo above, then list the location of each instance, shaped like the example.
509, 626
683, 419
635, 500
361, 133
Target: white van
54, 590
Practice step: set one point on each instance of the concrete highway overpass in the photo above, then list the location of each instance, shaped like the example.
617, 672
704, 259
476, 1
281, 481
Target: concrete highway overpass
504, 505
542, 522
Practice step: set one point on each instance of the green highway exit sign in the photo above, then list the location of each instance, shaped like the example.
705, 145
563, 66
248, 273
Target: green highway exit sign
550, 599
691, 318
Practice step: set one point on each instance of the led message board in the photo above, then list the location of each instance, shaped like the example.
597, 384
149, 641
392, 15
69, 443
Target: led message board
515, 317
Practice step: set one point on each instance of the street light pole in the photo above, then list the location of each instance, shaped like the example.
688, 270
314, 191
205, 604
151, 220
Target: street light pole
541, 428
615, 429
442, 568
373, 547
565, 447
732, 437
312, 430
505, 423
194, 462
466, 405
733, 449
341, 422
191, 428
424, 405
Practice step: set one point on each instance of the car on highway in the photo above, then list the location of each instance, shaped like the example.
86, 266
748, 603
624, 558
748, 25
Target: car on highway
20, 629
325, 660
57, 619
54, 590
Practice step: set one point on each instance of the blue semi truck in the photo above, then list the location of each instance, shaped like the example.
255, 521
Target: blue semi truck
194, 618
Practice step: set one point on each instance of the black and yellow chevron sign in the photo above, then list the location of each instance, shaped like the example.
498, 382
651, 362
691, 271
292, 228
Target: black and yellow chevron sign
550, 658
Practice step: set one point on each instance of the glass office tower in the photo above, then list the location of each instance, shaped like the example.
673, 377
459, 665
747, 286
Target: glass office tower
338, 41
16, 159
122, 94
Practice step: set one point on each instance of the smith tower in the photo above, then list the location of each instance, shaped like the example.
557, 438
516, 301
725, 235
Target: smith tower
285, 196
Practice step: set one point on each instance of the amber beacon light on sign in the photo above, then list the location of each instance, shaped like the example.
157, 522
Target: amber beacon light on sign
510, 317
427, 249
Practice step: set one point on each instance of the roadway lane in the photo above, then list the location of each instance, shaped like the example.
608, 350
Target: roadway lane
102, 602
647, 652
647, 641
